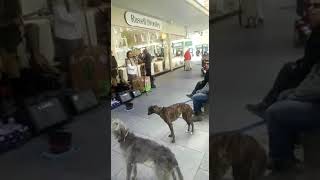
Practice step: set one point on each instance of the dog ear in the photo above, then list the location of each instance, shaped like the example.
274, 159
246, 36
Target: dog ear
115, 124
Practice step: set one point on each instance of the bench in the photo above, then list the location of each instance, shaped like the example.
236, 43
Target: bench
311, 149
206, 107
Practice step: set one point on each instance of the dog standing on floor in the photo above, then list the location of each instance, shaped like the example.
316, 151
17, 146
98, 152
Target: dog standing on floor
172, 113
140, 150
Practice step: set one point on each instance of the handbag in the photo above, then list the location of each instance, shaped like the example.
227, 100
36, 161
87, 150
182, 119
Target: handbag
131, 68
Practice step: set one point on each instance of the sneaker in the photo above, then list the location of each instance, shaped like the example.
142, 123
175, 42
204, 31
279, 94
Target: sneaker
189, 95
294, 165
257, 109
261, 20
196, 118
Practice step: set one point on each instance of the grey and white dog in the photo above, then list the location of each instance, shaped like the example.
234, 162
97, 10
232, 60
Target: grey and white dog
140, 150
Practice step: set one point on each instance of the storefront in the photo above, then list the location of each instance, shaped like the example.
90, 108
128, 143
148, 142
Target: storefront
223, 7
136, 31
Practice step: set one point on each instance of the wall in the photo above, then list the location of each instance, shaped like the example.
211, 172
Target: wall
29, 6
117, 18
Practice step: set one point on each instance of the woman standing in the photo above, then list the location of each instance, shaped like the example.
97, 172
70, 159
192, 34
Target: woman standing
67, 29
132, 67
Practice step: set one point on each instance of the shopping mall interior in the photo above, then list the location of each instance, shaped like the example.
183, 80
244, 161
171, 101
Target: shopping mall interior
53, 119
183, 26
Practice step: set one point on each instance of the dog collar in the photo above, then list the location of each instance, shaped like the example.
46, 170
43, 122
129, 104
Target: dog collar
124, 139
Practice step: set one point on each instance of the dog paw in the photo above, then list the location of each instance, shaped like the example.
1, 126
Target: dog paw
187, 131
170, 135
173, 141
191, 132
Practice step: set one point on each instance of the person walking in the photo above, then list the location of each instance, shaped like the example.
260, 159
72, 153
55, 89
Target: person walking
187, 60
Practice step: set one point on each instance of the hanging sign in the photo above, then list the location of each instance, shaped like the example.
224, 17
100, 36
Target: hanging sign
138, 20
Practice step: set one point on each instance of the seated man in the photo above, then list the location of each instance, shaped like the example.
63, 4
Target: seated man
293, 73
198, 99
202, 83
297, 113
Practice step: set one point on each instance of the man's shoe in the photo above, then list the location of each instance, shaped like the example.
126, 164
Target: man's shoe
189, 95
257, 109
280, 166
261, 20
196, 118
153, 86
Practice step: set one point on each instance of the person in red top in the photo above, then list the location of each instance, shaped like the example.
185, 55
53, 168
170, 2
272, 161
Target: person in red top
187, 59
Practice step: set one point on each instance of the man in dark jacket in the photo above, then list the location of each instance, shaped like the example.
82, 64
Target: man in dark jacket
147, 59
292, 73
202, 83
297, 111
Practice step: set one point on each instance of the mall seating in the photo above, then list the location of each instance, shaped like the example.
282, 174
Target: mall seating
311, 149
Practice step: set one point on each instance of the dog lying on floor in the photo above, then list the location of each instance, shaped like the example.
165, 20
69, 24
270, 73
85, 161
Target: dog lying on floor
140, 150
172, 113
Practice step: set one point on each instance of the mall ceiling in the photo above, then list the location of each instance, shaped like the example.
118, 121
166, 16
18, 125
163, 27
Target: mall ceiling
176, 11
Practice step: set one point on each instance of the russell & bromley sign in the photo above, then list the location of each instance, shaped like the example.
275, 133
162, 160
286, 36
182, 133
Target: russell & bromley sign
134, 19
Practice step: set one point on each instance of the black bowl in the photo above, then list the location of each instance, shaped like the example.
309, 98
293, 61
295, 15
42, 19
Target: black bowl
129, 106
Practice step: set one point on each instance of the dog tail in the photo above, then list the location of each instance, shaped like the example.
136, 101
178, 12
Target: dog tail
178, 172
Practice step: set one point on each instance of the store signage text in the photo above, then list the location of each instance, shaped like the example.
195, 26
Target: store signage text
134, 19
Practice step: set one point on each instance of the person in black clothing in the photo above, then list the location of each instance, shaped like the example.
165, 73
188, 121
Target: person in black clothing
202, 83
114, 66
291, 74
148, 60
10, 25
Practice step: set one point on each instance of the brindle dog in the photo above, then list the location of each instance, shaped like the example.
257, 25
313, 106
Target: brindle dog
242, 152
172, 113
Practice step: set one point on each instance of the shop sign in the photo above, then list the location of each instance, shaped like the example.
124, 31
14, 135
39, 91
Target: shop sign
138, 20
188, 43
177, 44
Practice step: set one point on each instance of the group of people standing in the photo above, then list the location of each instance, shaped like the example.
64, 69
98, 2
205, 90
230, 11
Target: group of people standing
132, 68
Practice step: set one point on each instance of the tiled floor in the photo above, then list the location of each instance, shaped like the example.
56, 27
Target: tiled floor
191, 150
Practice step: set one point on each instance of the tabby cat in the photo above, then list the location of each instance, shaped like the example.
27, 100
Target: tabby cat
242, 152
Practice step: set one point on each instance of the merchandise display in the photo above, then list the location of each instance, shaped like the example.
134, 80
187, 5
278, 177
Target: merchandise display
88, 67
125, 96
83, 101
115, 103
46, 113
138, 84
12, 134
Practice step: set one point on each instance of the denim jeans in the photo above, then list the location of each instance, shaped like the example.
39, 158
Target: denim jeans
286, 119
198, 100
